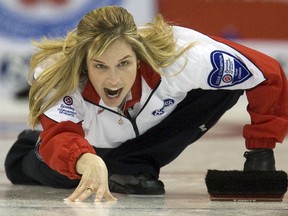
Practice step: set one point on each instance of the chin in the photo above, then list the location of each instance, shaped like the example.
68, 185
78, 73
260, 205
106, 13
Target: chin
112, 103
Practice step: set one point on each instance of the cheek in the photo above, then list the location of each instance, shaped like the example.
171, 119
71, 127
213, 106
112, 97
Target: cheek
95, 80
132, 76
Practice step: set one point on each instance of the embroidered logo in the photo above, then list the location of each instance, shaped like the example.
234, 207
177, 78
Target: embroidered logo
203, 128
167, 103
227, 70
68, 100
67, 108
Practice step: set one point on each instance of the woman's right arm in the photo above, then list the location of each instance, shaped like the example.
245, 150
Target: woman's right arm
62, 144
64, 148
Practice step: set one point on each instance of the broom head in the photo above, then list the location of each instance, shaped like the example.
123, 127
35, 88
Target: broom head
246, 185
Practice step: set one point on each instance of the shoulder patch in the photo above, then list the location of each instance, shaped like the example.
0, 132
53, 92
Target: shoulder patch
227, 71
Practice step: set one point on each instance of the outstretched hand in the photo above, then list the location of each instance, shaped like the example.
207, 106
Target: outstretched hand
94, 179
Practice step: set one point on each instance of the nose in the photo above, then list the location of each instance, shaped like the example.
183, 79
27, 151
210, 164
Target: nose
114, 77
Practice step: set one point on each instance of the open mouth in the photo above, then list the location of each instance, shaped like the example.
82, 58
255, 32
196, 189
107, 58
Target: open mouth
112, 93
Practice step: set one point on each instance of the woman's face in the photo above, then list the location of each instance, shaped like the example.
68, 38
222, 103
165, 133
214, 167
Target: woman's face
113, 73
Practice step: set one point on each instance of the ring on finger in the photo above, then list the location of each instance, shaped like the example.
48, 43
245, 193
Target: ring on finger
88, 188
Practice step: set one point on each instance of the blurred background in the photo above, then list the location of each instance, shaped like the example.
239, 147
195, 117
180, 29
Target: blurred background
260, 24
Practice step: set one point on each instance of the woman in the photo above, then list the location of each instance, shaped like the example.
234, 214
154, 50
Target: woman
117, 103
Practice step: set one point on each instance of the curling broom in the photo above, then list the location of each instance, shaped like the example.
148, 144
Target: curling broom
246, 185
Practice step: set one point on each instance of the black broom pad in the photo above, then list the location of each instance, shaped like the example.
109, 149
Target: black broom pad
259, 185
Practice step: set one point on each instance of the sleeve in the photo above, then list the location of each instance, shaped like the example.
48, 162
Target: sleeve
267, 102
63, 138
62, 144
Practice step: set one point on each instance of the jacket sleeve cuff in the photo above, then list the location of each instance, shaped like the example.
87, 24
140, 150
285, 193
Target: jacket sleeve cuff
256, 143
75, 154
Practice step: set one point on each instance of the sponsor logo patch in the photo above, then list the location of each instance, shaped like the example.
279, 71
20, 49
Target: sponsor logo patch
227, 70
67, 108
166, 103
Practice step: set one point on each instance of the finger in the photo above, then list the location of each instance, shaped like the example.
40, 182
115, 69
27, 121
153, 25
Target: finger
102, 191
109, 197
76, 193
85, 194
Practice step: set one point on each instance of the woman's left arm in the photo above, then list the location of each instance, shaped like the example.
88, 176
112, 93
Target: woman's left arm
268, 101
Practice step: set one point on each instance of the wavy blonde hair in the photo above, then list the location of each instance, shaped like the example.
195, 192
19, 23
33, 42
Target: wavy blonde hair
153, 44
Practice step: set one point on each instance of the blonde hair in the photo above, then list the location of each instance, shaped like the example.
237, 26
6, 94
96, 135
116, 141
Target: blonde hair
153, 44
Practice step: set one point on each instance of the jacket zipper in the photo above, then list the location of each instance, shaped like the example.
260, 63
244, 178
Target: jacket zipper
133, 121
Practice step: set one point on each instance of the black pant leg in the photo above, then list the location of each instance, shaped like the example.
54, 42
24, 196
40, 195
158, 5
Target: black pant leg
13, 162
22, 166
43, 174
160, 145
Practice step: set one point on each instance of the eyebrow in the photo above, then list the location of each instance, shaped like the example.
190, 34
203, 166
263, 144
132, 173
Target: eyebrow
125, 57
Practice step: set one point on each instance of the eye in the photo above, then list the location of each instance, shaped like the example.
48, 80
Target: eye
100, 66
123, 63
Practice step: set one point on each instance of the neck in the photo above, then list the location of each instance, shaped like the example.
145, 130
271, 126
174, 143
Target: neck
121, 107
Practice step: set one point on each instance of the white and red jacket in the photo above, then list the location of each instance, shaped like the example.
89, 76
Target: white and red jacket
81, 120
